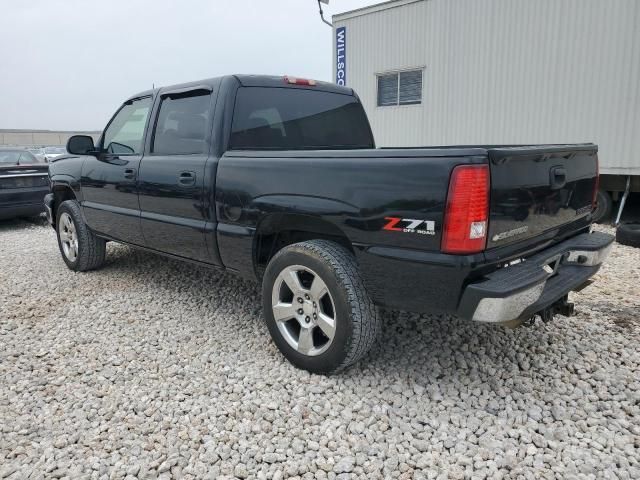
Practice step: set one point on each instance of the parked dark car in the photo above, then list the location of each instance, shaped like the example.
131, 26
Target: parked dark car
278, 179
23, 183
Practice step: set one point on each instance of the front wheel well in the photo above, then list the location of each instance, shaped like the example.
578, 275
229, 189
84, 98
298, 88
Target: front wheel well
61, 193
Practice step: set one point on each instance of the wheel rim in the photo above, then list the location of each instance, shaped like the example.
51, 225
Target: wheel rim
304, 310
68, 237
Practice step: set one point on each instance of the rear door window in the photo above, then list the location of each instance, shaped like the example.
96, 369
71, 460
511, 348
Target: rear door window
268, 118
182, 125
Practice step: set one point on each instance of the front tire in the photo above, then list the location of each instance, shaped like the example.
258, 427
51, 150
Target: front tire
316, 307
81, 250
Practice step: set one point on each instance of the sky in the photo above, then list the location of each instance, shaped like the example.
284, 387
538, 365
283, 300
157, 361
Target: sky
69, 64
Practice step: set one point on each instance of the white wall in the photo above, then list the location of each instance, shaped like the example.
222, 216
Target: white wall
505, 71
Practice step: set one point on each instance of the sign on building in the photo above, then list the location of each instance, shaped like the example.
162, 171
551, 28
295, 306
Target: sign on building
341, 56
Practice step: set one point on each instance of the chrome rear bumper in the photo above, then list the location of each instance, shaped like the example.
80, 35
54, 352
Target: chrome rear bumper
519, 291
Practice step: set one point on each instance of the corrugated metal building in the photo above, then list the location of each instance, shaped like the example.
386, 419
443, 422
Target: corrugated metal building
442, 72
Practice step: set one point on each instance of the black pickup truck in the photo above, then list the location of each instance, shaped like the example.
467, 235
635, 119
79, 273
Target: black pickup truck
278, 179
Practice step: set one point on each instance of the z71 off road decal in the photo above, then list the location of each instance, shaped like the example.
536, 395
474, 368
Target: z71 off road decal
410, 225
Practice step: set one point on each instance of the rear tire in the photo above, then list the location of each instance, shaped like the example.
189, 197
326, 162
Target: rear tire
604, 207
325, 321
81, 250
628, 234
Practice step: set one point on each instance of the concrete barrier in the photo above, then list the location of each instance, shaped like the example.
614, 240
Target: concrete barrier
39, 138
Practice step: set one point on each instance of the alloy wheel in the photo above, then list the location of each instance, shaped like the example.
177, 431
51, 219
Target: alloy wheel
68, 237
304, 310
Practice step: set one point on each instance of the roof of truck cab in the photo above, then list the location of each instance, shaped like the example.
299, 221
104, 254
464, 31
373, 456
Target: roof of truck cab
248, 81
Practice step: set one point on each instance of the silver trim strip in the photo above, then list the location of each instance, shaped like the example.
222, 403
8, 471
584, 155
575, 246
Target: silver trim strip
25, 175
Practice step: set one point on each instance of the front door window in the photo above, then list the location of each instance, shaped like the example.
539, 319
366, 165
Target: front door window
125, 133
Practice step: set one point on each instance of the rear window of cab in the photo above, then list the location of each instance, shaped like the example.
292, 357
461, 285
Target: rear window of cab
272, 118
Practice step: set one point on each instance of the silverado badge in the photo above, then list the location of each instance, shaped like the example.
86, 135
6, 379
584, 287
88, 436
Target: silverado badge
510, 233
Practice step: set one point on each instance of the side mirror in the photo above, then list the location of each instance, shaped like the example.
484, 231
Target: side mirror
81, 145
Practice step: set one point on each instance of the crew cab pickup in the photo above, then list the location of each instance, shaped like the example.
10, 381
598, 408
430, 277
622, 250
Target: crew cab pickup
278, 179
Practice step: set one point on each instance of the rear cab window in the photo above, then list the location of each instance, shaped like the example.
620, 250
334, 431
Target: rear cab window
272, 118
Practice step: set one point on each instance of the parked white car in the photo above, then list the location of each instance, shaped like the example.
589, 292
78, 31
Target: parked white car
53, 152
38, 152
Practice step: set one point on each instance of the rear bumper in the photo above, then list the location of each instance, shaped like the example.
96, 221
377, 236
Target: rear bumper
24, 210
518, 291
21, 202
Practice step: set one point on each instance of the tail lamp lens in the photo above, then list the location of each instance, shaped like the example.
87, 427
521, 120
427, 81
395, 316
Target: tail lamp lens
466, 218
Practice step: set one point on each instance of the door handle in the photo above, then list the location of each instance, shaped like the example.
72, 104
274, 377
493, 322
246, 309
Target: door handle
129, 173
186, 178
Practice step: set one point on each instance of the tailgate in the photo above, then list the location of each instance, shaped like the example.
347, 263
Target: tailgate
539, 188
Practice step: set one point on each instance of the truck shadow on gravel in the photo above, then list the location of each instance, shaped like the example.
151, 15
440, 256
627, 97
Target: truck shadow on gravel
417, 349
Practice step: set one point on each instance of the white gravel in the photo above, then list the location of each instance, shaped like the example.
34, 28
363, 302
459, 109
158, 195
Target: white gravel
151, 368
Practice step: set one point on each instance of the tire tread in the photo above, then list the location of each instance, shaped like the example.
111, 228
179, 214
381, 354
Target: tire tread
628, 234
92, 249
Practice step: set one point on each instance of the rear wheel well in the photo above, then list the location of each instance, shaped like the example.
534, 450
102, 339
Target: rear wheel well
270, 240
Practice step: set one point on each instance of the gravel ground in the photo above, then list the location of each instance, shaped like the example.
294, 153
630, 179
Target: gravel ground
152, 368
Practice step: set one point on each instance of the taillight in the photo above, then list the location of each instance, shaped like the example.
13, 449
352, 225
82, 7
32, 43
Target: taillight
594, 200
466, 217
300, 81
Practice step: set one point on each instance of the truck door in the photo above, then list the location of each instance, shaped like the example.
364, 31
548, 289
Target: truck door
109, 189
175, 197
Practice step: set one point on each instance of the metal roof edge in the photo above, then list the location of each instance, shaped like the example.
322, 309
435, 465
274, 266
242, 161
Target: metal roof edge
372, 9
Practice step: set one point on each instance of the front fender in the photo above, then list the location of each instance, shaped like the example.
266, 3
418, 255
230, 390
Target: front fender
61, 180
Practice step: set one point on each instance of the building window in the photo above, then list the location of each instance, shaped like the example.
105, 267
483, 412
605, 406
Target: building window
400, 88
